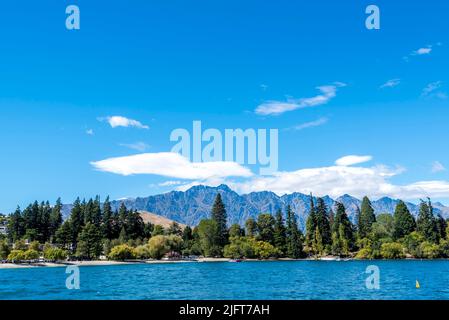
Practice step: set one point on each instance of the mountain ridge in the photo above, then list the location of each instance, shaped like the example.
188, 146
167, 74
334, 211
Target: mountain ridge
190, 206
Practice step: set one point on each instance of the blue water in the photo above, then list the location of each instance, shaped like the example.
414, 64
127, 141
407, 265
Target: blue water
224, 280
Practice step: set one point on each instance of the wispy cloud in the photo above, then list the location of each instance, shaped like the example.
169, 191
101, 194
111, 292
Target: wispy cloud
311, 124
391, 83
352, 159
170, 164
90, 132
437, 167
327, 92
139, 146
422, 51
432, 90
170, 183
120, 121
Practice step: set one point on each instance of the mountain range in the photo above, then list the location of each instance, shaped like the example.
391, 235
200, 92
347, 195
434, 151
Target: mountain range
190, 206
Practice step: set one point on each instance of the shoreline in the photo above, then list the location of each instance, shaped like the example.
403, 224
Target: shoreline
200, 260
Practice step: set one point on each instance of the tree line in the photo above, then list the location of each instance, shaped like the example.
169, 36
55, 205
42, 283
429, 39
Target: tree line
93, 229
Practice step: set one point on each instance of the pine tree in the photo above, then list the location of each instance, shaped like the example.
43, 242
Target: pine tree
323, 224
311, 225
404, 223
16, 226
251, 227
343, 238
55, 218
293, 236
426, 223
265, 226
220, 217
367, 218
89, 245
76, 221
107, 223
280, 233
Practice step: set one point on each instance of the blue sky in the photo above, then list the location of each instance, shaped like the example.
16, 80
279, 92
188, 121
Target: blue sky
167, 63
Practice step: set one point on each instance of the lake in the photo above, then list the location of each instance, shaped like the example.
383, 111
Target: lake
224, 280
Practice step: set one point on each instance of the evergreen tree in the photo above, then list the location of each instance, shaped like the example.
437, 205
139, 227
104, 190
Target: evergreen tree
343, 238
322, 221
219, 216
404, 223
251, 227
367, 218
265, 226
55, 218
76, 221
236, 231
89, 244
16, 226
293, 236
441, 227
108, 220
426, 222
174, 229
311, 225
280, 233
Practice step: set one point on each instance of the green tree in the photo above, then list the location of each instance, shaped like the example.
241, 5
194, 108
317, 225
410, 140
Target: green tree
236, 231
251, 227
158, 246
108, 220
55, 254
294, 236
55, 218
76, 221
343, 239
5, 249
311, 225
392, 250
122, 252
322, 221
158, 230
64, 235
89, 244
265, 226
426, 222
175, 229
404, 223
16, 226
280, 233
220, 217
209, 239
367, 218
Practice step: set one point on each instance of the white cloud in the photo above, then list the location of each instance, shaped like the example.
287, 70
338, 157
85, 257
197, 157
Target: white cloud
170, 164
336, 180
310, 124
278, 107
119, 121
391, 83
352, 159
139, 146
437, 167
90, 132
170, 183
430, 90
422, 51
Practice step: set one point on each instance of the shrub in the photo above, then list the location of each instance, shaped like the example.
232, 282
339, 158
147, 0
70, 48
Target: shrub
143, 252
122, 252
16, 255
31, 254
55, 254
392, 250
428, 250
364, 253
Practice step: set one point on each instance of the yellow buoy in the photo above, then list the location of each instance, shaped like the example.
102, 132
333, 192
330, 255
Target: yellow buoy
417, 284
